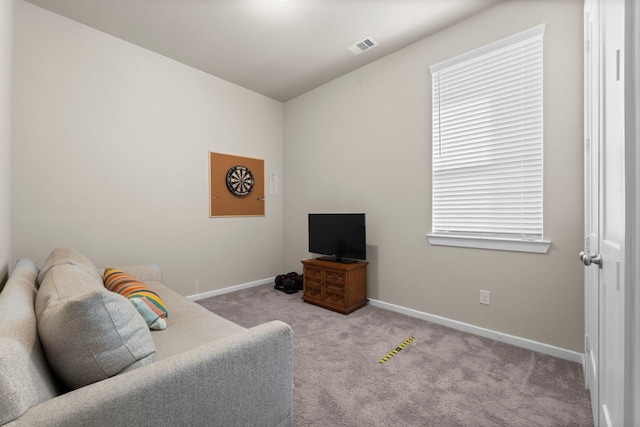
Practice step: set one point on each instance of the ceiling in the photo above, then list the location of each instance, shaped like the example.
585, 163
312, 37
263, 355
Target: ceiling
279, 48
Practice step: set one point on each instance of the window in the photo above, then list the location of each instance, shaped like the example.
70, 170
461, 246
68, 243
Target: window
487, 146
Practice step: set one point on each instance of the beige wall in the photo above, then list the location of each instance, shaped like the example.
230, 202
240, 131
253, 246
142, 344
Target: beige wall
6, 44
110, 156
363, 143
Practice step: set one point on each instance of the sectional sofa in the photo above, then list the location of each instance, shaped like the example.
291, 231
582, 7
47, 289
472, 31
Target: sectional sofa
73, 353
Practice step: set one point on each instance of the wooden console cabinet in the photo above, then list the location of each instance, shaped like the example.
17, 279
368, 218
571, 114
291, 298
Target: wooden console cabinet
336, 286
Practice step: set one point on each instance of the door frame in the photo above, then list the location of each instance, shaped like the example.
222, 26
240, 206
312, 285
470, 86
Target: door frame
632, 214
632, 184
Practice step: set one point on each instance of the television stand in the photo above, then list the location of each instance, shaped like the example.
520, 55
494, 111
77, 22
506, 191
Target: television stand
334, 285
338, 259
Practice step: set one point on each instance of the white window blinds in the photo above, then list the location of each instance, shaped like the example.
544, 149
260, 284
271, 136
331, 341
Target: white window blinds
487, 140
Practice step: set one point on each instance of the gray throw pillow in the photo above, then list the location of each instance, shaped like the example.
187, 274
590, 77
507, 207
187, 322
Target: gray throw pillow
88, 333
70, 256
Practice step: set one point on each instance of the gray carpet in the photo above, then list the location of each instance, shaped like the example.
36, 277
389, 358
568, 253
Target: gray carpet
442, 378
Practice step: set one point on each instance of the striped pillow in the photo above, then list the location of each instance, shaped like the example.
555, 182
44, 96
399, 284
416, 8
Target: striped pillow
147, 302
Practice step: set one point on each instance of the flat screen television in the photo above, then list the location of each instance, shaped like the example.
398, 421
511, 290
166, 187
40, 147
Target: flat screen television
338, 237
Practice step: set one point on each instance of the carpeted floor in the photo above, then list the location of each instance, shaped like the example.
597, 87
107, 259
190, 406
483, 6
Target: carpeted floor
442, 378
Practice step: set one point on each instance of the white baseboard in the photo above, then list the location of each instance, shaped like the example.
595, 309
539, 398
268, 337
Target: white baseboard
222, 291
487, 333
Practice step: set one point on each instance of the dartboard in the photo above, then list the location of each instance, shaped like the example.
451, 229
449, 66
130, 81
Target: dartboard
240, 181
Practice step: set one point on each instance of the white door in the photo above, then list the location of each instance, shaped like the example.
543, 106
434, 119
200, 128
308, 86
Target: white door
605, 218
591, 195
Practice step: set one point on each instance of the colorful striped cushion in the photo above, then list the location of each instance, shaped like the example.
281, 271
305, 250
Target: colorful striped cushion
147, 302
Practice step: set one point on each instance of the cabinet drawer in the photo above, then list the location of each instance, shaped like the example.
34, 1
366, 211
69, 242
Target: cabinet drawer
334, 276
335, 287
310, 271
332, 296
312, 288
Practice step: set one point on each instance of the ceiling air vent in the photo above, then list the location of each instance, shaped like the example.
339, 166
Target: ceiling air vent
362, 45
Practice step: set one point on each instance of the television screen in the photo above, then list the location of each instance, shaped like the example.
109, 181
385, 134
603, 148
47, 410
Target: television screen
339, 236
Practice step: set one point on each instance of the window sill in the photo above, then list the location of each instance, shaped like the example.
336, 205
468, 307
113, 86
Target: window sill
500, 244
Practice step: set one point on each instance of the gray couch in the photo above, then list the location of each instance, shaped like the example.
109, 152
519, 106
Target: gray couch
201, 370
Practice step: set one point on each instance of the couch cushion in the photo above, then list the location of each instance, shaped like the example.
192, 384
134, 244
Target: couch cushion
60, 256
147, 302
87, 332
25, 377
191, 324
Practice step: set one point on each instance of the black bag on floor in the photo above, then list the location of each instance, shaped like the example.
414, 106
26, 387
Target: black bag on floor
289, 283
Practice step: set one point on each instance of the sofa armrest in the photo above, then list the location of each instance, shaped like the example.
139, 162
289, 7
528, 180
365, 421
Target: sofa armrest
144, 272
242, 380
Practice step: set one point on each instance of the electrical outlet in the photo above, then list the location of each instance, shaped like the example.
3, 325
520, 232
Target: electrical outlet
485, 297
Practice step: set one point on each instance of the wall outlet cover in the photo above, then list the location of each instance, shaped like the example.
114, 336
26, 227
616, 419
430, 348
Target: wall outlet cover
485, 297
